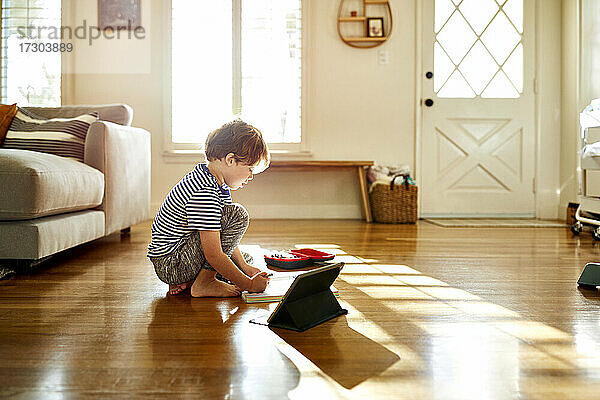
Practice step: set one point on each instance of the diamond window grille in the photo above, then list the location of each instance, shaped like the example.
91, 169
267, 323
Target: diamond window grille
478, 51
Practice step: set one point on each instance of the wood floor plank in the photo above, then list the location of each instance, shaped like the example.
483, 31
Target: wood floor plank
452, 313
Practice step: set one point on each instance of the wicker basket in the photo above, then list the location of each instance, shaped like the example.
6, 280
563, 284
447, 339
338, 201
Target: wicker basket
394, 204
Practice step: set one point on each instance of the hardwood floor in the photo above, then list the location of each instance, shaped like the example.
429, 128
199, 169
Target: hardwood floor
440, 313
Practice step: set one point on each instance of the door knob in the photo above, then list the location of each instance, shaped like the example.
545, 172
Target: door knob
429, 74
428, 102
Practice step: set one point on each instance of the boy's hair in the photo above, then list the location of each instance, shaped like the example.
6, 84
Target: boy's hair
241, 139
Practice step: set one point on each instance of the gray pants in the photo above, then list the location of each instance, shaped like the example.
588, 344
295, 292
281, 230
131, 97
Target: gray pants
185, 262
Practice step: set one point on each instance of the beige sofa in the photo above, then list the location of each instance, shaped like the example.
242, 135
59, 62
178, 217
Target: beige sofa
49, 203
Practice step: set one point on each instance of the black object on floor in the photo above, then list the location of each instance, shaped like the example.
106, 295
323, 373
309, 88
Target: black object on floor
590, 276
309, 300
6, 271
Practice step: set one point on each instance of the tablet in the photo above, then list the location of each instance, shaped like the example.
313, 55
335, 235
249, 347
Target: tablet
309, 300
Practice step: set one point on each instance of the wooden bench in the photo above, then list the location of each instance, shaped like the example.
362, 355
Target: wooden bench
359, 166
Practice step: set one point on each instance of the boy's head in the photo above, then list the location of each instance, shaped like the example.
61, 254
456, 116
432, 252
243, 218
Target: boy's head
240, 146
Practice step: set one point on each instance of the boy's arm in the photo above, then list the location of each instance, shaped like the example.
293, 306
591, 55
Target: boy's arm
211, 244
239, 260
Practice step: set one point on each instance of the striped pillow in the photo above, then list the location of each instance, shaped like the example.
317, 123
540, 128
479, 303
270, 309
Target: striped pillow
63, 137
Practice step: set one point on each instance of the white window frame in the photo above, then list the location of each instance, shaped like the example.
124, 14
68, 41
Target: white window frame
194, 152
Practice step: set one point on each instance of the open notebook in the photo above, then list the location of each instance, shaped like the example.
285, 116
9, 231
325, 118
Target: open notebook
278, 285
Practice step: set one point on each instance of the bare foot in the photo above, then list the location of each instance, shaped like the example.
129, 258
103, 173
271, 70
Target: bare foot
206, 285
178, 289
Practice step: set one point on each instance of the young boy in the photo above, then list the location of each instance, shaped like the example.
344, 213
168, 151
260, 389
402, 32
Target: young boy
198, 228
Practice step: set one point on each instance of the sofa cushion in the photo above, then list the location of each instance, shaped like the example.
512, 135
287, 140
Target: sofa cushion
121, 114
41, 237
7, 113
38, 184
61, 136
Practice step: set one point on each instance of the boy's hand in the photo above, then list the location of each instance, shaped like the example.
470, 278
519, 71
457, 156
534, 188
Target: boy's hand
258, 282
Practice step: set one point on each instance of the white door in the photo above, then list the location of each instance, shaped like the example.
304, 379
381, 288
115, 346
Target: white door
478, 107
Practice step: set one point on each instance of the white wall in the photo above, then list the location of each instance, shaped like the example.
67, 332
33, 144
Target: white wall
357, 109
569, 104
590, 51
548, 107
580, 84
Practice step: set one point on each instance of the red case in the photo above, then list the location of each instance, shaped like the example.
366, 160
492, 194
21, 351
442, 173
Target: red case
288, 263
315, 255
304, 258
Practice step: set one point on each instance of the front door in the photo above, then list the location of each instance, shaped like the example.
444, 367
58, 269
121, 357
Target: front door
478, 108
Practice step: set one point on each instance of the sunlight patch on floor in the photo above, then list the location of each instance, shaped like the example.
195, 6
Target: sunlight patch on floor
419, 280
484, 309
396, 269
531, 331
423, 308
462, 326
347, 259
317, 246
359, 269
468, 338
587, 357
401, 292
449, 293
372, 280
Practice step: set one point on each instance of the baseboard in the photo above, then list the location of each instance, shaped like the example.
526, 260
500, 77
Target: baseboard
454, 216
295, 211
288, 211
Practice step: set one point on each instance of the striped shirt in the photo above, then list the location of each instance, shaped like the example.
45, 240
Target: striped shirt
194, 204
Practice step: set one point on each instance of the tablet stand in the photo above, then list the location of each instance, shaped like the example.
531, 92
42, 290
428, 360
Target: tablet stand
308, 312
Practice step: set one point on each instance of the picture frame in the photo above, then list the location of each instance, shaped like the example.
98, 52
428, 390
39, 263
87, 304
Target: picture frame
119, 14
375, 27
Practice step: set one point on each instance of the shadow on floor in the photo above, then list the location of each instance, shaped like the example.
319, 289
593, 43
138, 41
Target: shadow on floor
342, 353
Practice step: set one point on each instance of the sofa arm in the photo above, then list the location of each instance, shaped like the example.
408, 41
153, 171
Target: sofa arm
122, 153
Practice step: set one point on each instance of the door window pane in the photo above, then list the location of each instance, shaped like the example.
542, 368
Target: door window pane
500, 38
456, 37
514, 12
500, 87
443, 10
479, 13
514, 67
456, 87
443, 67
478, 67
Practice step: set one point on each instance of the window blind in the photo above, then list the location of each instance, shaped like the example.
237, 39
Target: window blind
30, 77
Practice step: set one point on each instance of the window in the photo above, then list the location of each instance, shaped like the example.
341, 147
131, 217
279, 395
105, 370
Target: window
234, 58
479, 48
27, 77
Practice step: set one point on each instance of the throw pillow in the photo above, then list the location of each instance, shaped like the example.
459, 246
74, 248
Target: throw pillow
7, 113
63, 137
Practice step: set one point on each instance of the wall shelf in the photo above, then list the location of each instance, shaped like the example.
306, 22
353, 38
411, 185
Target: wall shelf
352, 19
365, 41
